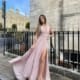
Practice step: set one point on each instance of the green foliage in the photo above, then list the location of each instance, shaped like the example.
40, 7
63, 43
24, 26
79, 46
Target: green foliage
0, 26
14, 27
27, 26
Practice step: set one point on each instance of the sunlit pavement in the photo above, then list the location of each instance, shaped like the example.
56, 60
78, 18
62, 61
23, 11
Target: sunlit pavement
6, 72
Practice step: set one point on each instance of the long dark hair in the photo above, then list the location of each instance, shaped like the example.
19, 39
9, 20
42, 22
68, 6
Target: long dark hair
40, 22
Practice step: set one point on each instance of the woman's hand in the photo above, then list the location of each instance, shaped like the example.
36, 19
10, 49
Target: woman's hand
51, 32
33, 45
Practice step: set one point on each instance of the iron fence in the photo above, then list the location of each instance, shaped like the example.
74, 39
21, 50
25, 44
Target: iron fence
16, 43
64, 47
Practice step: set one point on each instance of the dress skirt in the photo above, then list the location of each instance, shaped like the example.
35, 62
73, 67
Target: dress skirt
27, 66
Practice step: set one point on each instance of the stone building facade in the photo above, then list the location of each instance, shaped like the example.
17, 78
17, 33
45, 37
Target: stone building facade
54, 10
14, 17
49, 8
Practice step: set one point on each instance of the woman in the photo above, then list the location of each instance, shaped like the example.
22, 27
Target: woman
33, 65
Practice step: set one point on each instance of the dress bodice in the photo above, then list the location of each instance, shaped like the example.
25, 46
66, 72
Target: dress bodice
45, 29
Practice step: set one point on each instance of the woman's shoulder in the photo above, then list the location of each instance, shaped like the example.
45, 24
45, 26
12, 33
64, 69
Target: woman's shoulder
48, 25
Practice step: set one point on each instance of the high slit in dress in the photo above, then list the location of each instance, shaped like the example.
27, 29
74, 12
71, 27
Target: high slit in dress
27, 66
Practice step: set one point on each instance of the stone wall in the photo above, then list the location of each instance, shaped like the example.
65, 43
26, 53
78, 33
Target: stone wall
48, 7
71, 15
51, 8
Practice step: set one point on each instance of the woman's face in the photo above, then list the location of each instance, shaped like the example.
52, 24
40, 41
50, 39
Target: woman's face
42, 20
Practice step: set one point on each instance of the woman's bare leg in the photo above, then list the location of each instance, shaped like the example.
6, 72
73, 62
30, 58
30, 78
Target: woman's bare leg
42, 65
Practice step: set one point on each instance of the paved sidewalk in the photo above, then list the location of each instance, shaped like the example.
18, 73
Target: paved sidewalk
6, 72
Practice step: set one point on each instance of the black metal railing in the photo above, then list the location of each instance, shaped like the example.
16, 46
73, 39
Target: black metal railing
64, 47
66, 50
17, 42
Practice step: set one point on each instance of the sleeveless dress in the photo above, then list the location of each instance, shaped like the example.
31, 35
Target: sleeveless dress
27, 66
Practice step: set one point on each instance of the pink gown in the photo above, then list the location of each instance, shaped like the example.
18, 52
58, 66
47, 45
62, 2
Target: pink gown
27, 66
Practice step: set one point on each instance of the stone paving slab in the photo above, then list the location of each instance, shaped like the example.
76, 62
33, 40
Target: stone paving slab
6, 72
55, 76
